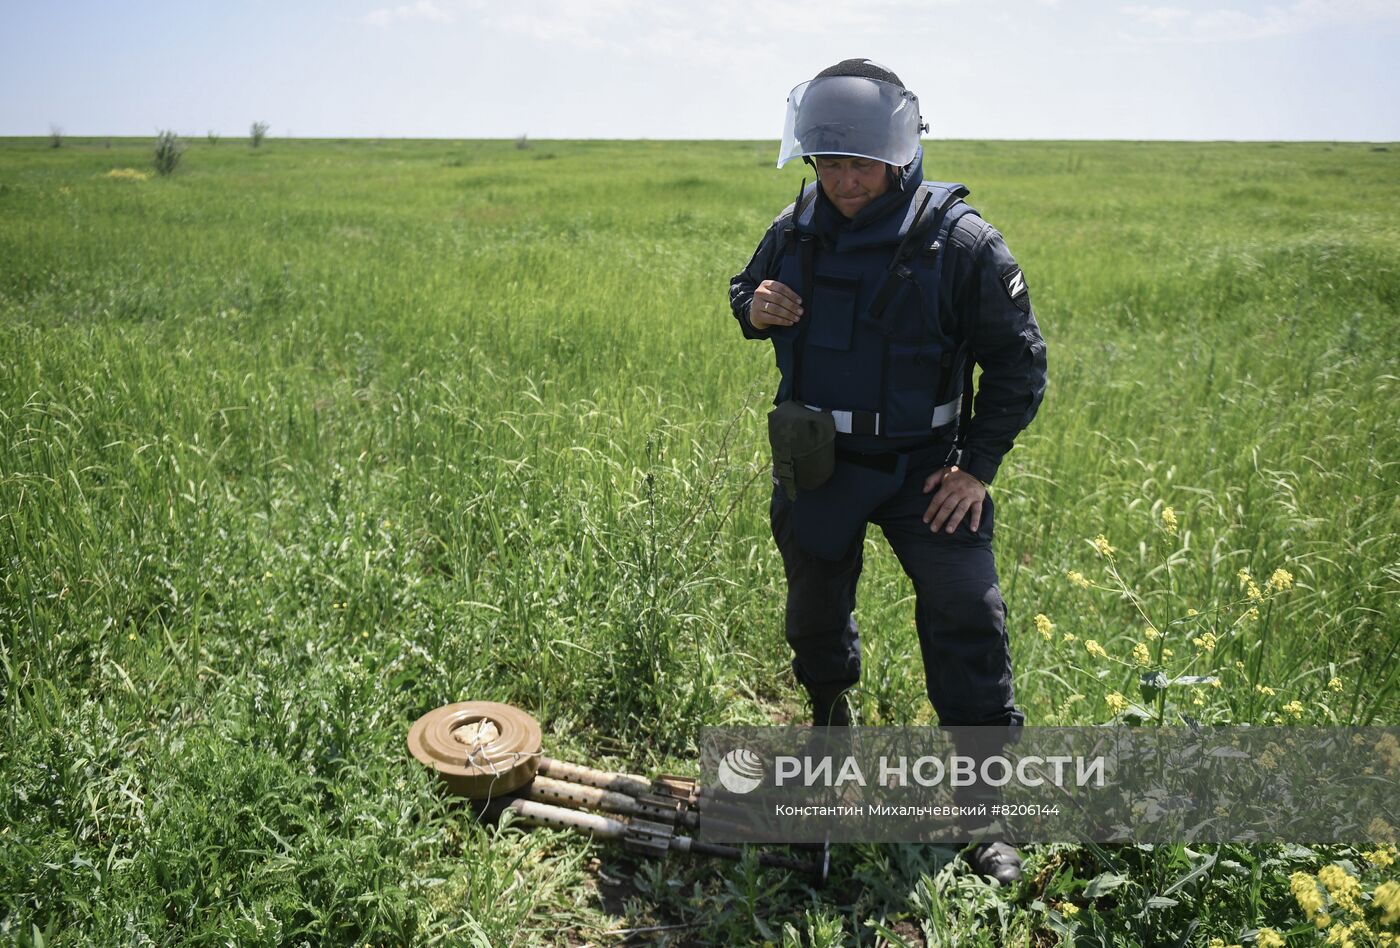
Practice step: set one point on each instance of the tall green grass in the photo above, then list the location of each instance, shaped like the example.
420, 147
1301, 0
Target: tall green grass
306, 440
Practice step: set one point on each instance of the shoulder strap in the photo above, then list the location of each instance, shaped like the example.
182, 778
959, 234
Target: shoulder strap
805, 198
807, 249
953, 208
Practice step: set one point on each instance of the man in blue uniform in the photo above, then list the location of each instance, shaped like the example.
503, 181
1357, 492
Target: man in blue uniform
879, 292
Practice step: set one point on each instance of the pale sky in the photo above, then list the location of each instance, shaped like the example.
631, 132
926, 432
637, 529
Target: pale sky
1177, 69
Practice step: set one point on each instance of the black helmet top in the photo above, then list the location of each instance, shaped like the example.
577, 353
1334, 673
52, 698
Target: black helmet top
861, 67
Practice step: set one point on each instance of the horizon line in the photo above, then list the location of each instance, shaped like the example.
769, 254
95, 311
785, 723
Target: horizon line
194, 138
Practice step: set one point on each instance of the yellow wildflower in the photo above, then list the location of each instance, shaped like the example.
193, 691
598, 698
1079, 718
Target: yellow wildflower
1250, 587
1388, 750
1341, 885
1073, 698
1043, 625
1387, 899
1169, 520
1068, 909
1268, 938
1193, 612
1167, 653
1239, 666
1382, 856
1322, 921
1206, 641
1116, 702
1101, 544
1141, 655
1217, 683
1068, 637
1095, 649
1198, 697
128, 174
1077, 578
1306, 893
1264, 690
1280, 580
1252, 614
1294, 708
1339, 936
1150, 631
1335, 684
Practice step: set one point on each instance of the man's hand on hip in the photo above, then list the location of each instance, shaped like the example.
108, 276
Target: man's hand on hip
959, 494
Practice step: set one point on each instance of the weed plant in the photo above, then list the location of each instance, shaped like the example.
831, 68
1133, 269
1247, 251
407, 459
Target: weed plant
169, 148
305, 443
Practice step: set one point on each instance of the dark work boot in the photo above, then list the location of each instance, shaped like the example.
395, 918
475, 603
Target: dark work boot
995, 861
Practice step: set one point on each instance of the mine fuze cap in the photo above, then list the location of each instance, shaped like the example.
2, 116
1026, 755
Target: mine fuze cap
856, 108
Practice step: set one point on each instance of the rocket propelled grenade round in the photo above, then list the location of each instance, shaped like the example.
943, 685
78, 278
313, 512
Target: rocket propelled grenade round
491, 754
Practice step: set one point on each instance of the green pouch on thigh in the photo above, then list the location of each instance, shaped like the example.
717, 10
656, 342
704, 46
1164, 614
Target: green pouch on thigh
804, 446
827, 520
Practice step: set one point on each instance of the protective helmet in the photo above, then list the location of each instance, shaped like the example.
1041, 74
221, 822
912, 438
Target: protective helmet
856, 107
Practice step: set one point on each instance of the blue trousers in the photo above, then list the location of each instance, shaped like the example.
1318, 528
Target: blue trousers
959, 612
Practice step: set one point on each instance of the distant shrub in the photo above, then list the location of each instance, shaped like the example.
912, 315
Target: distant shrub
522, 143
256, 132
169, 148
213, 137
55, 137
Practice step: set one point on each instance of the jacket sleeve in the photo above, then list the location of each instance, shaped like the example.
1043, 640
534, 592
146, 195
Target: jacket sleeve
762, 266
993, 304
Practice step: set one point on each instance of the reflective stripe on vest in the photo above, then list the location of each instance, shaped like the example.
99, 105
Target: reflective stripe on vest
868, 422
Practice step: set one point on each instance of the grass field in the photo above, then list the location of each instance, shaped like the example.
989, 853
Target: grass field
306, 440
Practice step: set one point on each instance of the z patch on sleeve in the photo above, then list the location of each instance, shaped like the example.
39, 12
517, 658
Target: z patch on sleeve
1015, 282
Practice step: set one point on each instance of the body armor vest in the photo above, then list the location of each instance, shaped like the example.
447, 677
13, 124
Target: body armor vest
872, 338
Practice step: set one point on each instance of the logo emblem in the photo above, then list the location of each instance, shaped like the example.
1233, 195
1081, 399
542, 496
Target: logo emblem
1015, 282
740, 770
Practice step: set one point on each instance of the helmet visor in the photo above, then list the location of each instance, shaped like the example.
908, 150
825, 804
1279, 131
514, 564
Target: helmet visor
851, 115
